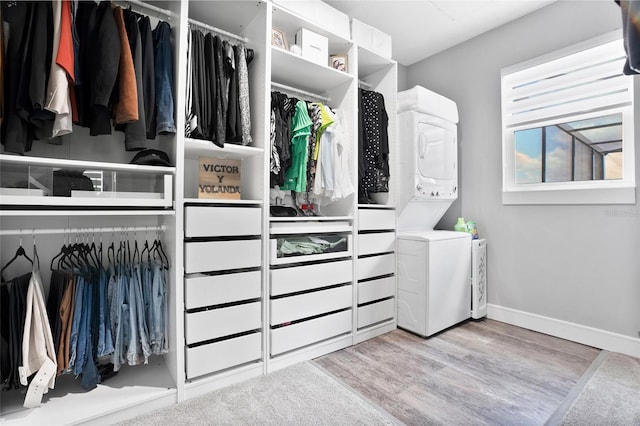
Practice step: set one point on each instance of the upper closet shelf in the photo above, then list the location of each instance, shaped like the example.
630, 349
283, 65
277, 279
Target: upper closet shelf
296, 71
370, 62
60, 183
6, 159
196, 147
290, 22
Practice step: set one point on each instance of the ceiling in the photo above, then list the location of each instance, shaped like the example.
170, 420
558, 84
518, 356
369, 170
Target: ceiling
421, 28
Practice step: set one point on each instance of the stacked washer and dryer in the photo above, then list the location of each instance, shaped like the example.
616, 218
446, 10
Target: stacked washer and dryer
437, 285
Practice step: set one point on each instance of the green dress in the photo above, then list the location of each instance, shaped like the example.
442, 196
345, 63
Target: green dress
296, 175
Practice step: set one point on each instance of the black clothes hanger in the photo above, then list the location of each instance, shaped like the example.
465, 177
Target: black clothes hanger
60, 253
19, 253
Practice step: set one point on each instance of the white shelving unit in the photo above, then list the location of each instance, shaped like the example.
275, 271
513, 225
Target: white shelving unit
375, 267
229, 320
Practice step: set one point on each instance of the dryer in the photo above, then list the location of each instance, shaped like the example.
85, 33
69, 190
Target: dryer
434, 267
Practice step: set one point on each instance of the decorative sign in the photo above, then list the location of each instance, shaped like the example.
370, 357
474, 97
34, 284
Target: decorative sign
219, 178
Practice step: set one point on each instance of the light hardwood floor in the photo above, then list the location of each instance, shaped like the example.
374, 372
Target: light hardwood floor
480, 372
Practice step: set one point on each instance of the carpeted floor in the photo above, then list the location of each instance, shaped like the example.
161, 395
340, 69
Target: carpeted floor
306, 394
302, 394
610, 396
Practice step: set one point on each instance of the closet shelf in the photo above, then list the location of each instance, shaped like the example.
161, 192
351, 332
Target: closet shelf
140, 385
376, 206
79, 164
290, 22
197, 147
370, 63
50, 213
188, 201
311, 219
308, 75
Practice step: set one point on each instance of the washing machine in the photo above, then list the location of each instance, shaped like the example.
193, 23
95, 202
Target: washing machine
434, 277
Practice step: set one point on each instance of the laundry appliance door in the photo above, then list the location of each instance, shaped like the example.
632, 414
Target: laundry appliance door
436, 153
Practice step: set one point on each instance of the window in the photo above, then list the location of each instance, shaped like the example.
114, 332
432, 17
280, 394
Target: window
568, 127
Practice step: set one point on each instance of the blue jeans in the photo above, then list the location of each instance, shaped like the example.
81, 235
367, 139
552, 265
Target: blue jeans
75, 324
120, 317
138, 350
165, 122
159, 341
105, 341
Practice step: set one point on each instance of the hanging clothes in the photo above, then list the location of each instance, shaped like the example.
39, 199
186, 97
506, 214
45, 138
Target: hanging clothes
296, 175
217, 90
58, 100
373, 141
148, 74
282, 110
38, 354
135, 137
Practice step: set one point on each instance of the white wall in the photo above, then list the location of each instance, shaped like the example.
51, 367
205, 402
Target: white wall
579, 264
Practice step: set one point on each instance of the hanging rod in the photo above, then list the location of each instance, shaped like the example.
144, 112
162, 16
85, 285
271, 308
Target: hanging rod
365, 84
300, 91
149, 7
198, 24
7, 232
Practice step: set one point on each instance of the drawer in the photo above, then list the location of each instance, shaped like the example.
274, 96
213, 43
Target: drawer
200, 221
310, 304
208, 290
375, 266
215, 323
224, 354
220, 255
376, 243
376, 312
304, 333
376, 219
369, 291
342, 242
308, 277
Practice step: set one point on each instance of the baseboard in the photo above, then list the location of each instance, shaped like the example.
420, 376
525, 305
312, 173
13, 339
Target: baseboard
566, 330
213, 382
374, 331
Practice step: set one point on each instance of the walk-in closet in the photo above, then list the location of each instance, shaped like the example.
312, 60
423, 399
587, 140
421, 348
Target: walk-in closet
231, 278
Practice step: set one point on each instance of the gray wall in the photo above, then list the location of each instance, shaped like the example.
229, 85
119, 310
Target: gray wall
574, 263
402, 77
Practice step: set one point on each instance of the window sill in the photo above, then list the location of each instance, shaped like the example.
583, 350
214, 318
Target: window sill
608, 195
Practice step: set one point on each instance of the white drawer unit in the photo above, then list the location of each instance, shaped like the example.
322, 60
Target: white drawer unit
217, 356
376, 312
308, 277
204, 256
209, 290
368, 291
376, 219
374, 266
376, 243
304, 333
201, 221
216, 323
306, 305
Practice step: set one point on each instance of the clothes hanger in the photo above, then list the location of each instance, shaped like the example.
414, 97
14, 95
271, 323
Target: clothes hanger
19, 253
60, 253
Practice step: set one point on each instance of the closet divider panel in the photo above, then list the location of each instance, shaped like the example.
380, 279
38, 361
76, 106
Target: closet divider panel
311, 303
376, 222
